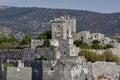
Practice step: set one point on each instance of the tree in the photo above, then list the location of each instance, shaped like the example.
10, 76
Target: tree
14, 40
4, 39
96, 45
81, 44
110, 57
26, 39
116, 59
48, 34
108, 46
107, 55
118, 39
8, 42
89, 55
45, 35
96, 42
78, 42
42, 36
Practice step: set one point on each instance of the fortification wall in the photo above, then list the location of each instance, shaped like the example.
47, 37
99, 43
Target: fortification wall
27, 54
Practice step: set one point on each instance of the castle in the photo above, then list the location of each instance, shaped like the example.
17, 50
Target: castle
68, 65
63, 62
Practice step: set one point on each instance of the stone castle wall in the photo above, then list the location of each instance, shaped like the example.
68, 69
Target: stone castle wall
64, 69
27, 54
107, 69
15, 73
35, 43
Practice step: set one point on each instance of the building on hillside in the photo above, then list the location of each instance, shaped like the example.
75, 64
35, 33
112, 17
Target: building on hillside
88, 37
84, 35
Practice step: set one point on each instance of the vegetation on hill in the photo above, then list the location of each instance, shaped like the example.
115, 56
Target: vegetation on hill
5, 65
26, 40
90, 56
6, 42
106, 56
95, 45
118, 39
14, 43
45, 35
35, 20
81, 44
109, 56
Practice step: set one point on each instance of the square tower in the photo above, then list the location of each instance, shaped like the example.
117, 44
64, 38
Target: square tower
67, 48
59, 28
72, 23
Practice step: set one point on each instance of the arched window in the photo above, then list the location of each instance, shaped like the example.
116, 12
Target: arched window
81, 37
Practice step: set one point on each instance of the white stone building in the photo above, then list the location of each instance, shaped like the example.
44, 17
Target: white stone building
88, 37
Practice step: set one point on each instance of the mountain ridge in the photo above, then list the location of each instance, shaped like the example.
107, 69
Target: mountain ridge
34, 20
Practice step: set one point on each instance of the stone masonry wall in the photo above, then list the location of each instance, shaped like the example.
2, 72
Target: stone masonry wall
27, 54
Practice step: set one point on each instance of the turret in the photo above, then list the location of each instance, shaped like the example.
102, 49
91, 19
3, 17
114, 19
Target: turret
59, 28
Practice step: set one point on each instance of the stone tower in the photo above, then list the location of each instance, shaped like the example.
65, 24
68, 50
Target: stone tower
67, 48
72, 23
59, 28
62, 29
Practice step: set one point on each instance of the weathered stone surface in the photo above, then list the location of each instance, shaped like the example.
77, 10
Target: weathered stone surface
16, 73
68, 68
27, 54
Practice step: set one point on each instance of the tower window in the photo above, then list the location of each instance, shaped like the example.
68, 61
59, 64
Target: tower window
112, 41
64, 52
51, 68
58, 25
81, 37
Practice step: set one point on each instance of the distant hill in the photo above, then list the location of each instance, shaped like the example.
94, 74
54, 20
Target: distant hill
35, 20
3, 7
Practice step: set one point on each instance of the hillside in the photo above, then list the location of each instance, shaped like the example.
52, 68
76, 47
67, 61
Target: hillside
35, 20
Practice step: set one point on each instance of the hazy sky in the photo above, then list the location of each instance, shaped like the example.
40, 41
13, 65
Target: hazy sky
107, 6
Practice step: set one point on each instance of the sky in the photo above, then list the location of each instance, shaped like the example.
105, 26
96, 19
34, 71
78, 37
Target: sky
103, 6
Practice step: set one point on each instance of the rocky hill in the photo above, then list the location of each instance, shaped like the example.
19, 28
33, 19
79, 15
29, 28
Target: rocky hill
35, 20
